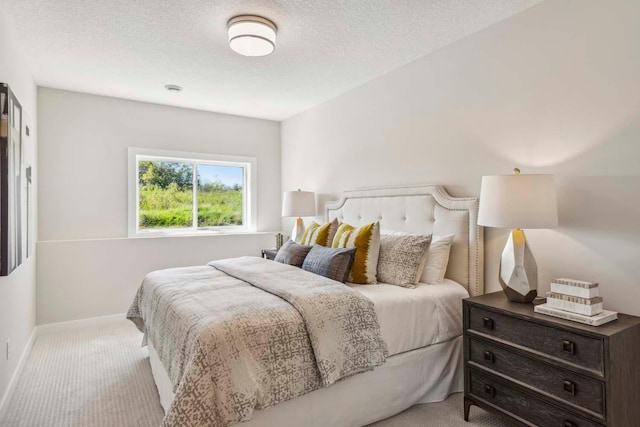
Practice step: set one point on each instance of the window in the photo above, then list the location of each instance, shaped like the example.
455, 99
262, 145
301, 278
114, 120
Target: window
184, 193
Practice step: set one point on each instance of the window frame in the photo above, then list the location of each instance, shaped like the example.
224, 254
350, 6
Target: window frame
249, 193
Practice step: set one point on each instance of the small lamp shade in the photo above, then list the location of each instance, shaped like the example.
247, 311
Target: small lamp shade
299, 203
518, 201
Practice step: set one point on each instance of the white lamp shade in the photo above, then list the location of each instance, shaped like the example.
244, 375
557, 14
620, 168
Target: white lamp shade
299, 203
518, 201
252, 35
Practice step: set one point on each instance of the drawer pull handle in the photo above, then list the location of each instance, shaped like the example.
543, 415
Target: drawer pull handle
569, 387
487, 322
570, 424
488, 356
490, 390
568, 347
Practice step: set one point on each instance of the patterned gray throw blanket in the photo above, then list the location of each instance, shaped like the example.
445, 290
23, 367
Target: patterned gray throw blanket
247, 333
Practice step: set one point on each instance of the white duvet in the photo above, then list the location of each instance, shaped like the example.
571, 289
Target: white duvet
409, 319
414, 318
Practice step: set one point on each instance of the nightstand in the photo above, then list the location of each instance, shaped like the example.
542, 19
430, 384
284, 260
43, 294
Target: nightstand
543, 371
269, 253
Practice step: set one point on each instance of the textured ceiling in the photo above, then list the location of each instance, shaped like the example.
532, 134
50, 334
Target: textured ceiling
132, 48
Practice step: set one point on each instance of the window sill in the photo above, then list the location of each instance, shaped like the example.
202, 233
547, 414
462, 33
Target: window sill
153, 234
165, 236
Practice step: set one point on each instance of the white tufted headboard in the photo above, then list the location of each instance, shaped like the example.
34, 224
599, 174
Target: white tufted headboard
422, 209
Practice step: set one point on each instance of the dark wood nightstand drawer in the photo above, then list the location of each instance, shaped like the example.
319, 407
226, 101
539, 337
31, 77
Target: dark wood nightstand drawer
544, 371
526, 408
579, 350
573, 388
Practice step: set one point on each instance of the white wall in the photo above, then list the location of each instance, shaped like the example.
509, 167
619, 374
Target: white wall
83, 196
78, 279
17, 291
554, 89
83, 157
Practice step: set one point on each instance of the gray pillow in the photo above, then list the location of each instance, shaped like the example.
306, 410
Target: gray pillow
292, 253
402, 258
334, 263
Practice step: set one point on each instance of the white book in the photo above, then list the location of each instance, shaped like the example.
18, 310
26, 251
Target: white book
575, 307
575, 291
597, 320
575, 282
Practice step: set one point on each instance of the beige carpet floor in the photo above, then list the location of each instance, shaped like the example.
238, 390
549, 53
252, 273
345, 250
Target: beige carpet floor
101, 377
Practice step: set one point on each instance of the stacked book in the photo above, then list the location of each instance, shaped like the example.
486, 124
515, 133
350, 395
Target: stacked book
576, 300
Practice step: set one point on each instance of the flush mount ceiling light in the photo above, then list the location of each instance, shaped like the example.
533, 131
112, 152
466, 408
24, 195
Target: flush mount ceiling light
251, 35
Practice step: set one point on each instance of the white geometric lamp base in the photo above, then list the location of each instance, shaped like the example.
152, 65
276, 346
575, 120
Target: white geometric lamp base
298, 230
518, 269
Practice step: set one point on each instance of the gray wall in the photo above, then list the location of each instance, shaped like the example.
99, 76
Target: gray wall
554, 89
83, 196
17, 291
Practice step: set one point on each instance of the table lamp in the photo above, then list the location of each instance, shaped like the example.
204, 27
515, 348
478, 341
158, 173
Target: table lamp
518, 201
298, 204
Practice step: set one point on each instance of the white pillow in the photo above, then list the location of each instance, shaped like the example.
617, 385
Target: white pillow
437, 259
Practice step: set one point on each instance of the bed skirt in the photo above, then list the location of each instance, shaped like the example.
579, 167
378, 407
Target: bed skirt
427, 374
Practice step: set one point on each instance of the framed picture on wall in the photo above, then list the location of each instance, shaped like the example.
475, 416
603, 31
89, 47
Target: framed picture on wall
15, 186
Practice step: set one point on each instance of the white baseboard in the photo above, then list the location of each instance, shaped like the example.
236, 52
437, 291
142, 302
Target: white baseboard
52, 328
16, 374
74, 325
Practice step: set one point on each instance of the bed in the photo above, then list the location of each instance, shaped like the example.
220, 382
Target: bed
422, 327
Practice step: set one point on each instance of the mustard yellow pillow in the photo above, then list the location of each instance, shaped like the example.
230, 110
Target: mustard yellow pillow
317, 234
366, 240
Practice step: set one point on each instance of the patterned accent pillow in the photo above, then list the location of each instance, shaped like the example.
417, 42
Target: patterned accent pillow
366, 240
329, 262
437, 259
317, 234
292, 253
402, 259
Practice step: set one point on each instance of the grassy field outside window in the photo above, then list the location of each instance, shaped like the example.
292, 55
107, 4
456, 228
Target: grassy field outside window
166, 196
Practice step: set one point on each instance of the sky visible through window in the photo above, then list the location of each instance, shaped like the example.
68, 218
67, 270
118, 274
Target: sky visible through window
227, 175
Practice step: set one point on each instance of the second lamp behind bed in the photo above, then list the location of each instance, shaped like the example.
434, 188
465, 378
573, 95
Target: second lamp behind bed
298, 204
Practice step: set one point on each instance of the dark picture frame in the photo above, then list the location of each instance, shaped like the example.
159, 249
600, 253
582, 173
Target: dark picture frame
14, 185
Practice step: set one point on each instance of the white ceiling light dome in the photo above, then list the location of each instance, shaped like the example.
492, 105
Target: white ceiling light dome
251, 35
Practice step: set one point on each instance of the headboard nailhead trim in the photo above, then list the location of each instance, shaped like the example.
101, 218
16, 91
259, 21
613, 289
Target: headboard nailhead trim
475, 278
